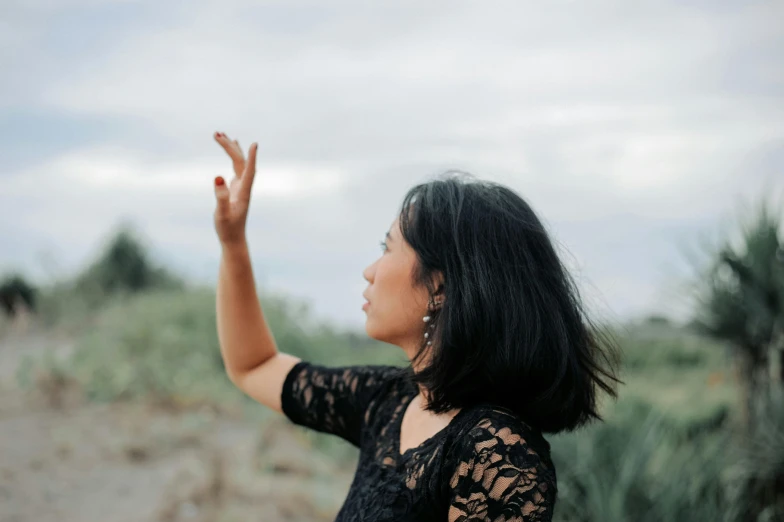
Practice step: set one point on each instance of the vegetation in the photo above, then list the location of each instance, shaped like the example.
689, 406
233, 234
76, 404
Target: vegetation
741, 301
123, 269
16, 290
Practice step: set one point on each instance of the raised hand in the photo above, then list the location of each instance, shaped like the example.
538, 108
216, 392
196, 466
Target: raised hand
233, 201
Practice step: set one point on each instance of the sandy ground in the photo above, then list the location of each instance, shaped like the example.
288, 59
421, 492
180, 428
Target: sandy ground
66, 460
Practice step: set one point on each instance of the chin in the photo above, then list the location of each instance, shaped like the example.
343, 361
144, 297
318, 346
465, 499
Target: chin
369, 330
373, 332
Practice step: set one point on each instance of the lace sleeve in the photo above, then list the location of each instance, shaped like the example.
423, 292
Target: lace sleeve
332, 400
499, 477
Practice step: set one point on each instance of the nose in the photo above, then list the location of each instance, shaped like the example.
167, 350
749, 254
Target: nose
369, 272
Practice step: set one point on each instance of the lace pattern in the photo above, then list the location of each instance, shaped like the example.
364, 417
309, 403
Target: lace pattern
486, 465
332, 400
501, 478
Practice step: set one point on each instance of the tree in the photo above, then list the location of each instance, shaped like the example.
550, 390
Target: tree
124, 267
15, 290
742, 302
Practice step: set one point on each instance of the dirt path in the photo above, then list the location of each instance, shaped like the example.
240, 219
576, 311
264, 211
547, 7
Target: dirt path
130, 462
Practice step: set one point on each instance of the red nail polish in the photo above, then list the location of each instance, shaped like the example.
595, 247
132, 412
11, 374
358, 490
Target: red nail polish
219, 181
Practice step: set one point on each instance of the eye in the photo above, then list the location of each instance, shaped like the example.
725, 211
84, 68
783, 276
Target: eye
383, 246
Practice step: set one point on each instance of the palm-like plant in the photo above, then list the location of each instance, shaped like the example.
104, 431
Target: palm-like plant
742, 302
756, 477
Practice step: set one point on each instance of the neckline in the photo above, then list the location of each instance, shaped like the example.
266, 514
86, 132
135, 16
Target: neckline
398, 423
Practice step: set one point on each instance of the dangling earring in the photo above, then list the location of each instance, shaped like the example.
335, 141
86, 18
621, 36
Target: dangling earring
427, 318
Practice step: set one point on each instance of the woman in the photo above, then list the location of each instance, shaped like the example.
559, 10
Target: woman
470, 288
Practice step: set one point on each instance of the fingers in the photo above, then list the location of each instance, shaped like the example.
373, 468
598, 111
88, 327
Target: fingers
249, 173
234, 151
222, 197
235, 146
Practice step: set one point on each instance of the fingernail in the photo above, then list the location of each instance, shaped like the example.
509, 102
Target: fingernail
219, 181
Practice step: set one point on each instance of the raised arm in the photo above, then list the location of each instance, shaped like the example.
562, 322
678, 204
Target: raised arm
250, 355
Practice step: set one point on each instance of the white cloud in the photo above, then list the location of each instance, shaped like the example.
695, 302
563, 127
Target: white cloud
78, 195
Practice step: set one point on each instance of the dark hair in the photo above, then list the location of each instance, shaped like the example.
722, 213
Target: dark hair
512, 330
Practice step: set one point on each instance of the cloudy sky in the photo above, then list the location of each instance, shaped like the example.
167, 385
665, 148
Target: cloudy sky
632, 128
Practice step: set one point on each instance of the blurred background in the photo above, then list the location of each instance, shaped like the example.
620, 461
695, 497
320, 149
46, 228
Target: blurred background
647, 135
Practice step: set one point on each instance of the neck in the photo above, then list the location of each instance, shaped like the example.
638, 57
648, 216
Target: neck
410, 350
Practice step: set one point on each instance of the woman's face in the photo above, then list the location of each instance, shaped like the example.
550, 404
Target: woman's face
395, 309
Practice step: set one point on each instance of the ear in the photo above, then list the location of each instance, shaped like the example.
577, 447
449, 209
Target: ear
438, 282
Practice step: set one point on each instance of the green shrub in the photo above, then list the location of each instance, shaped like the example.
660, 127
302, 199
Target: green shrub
633, 468
672, 352
157, 344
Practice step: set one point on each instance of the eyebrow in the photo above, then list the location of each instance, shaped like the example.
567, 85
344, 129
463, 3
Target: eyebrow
389, 236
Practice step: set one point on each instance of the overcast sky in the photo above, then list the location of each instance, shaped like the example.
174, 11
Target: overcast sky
632, 128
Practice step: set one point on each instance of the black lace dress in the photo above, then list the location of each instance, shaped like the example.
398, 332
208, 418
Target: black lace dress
486, 465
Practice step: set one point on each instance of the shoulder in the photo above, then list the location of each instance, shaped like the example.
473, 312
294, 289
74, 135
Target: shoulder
380, 374
351, 387
492, 426
390, 384
501, 460
354, 376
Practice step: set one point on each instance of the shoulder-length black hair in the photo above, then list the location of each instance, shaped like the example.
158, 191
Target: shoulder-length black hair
512, 330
